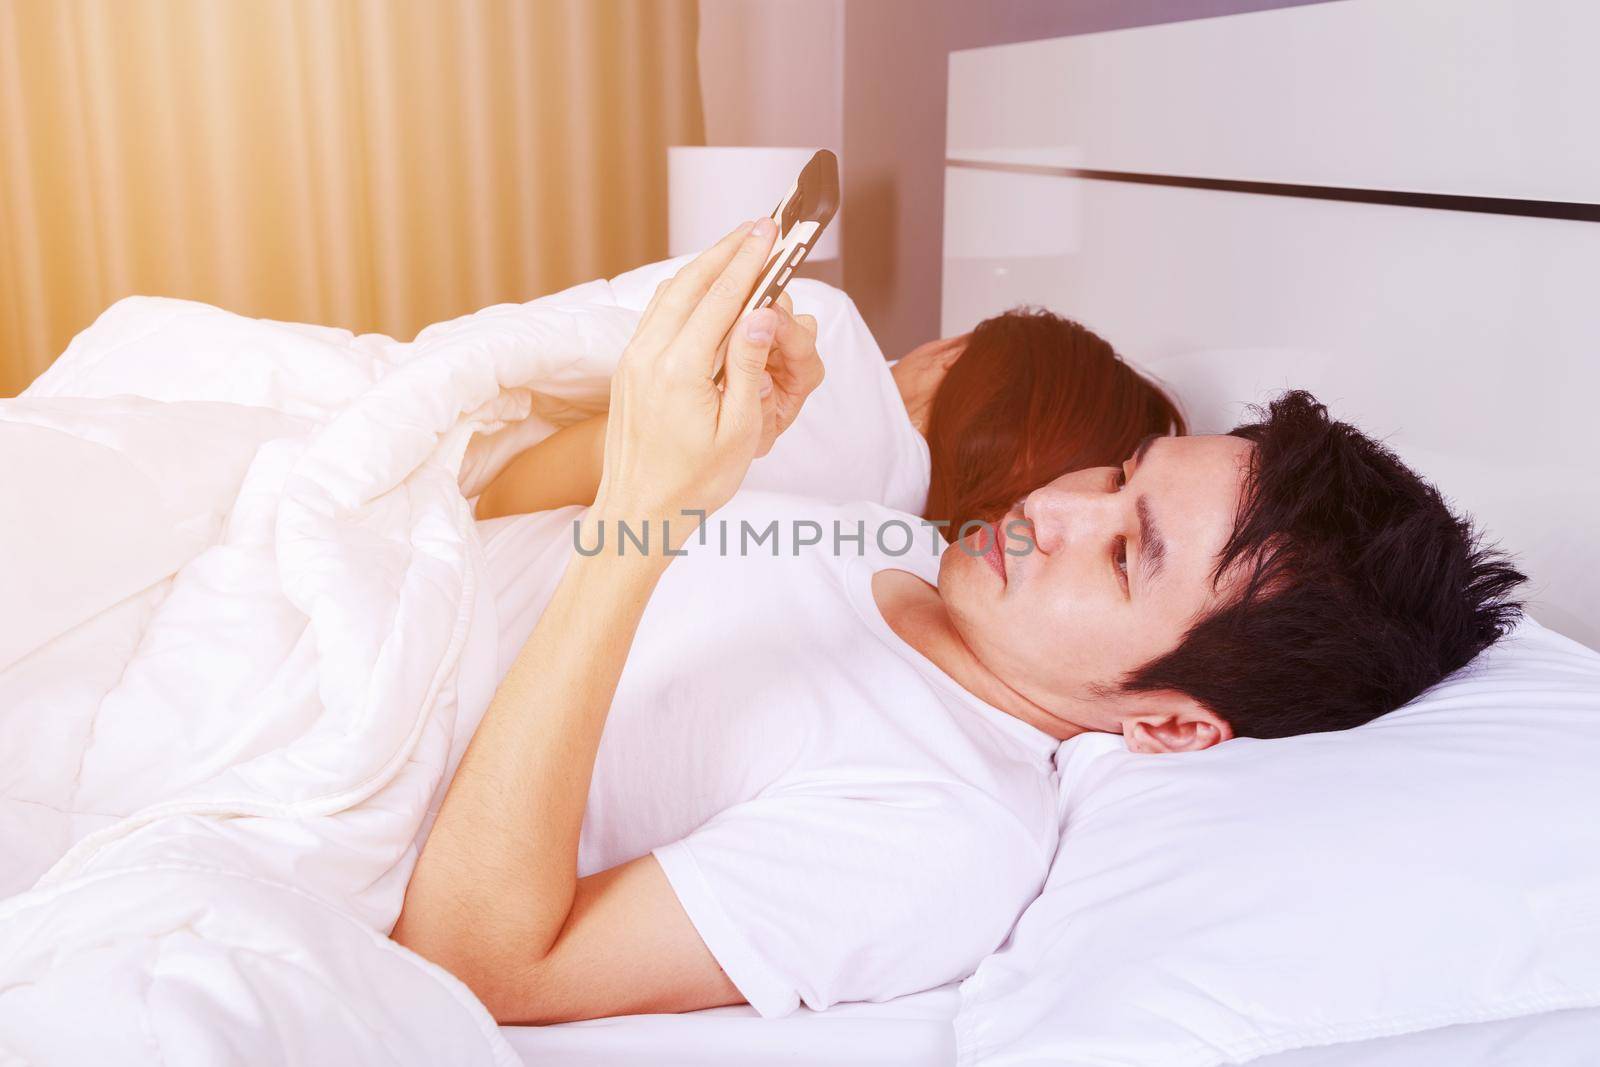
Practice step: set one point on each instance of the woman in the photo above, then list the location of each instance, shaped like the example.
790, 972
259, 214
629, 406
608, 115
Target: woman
1022, 399
956, 431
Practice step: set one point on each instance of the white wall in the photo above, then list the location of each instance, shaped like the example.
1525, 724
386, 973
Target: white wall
867, 78
772, 73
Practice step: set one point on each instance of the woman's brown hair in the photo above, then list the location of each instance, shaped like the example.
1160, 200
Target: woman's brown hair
1032, 397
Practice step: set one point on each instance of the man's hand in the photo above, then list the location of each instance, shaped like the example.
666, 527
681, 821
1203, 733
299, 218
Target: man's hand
794, 370
675, 440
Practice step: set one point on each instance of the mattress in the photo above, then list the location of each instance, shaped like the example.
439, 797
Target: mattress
907, 1031
916, 1030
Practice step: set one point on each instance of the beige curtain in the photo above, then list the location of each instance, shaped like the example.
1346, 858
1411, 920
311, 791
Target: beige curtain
373, 164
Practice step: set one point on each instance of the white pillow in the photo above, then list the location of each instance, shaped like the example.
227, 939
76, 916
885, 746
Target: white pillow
1440, 865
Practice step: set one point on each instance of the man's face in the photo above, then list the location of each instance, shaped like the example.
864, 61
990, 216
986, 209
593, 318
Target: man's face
1119, 566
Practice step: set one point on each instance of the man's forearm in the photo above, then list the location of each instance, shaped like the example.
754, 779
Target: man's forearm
494, 885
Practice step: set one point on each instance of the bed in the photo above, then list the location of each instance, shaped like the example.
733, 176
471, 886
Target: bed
915, 1031
1219, 197
911, 1031
219, 890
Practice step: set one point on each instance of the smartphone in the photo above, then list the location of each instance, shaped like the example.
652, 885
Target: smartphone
802, 215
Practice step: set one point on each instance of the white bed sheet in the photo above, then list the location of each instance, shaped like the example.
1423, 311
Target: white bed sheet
910, 1031
1550, 1039
915, 1031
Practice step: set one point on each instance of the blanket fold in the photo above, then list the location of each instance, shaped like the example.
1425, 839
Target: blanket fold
244, 581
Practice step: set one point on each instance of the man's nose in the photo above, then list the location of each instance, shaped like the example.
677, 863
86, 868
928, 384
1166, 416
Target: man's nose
1064, 514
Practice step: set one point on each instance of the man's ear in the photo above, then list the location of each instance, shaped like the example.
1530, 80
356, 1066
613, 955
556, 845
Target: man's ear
1167, 721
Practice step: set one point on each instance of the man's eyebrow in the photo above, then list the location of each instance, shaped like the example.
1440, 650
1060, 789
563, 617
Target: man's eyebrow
1152, 546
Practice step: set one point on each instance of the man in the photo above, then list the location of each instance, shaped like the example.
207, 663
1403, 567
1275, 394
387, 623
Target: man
827, 775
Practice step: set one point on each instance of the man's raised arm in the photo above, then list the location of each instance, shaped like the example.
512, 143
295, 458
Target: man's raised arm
493, 895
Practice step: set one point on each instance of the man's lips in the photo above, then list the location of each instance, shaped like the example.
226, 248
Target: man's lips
994, 555
1012, 531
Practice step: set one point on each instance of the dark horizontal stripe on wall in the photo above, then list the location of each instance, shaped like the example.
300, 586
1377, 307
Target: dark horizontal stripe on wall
1489, 205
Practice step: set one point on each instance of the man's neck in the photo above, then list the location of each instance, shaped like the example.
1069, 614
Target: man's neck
917, 615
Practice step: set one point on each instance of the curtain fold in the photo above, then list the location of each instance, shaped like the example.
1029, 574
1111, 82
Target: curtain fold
373, 164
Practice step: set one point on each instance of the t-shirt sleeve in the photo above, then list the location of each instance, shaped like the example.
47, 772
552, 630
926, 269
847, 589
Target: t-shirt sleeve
825, 899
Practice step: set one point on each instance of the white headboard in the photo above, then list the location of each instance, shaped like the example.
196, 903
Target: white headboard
1392, 203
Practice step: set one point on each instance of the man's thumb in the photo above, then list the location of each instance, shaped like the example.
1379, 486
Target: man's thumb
747, 360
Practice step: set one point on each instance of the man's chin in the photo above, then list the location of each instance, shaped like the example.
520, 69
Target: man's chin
967, 586
954, 566
962, 562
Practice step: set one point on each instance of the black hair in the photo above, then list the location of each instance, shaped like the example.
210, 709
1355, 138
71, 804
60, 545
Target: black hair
1358, 587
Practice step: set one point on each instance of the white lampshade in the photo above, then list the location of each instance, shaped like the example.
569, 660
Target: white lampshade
712, 190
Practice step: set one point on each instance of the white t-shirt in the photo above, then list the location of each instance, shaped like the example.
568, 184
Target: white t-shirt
840, 820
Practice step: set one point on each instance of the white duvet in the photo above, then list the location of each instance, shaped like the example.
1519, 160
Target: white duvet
240, 588
244, 637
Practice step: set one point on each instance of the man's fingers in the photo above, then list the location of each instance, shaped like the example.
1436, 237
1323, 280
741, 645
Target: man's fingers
655, 298
724, 297
772, 423
746, 370
673, 303
797, 341
786, 302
